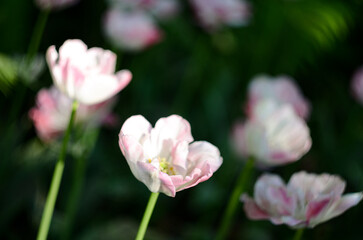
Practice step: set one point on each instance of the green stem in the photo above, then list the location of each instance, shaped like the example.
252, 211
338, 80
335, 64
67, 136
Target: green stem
298, 234
57, 177
77, 184
234, 200
74, 195
145, 220
37, 35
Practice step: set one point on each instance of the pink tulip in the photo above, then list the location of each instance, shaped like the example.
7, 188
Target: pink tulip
131, 31
282, 89
86, 75
52, 111
213, 14
54, 4
164, 157
306, 201
357, 85
273, 135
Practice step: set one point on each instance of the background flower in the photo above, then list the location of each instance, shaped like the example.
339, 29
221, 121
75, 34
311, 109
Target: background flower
281, 89
86, 75
273, 135
131, 30
213, 14
357, 85
53, 109
306, 201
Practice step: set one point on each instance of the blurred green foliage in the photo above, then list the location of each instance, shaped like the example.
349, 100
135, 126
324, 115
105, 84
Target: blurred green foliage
202, 77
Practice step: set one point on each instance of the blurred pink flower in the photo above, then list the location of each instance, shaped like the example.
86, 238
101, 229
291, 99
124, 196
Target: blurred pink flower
54, 4
306, 201
213, 14
273, 135
86, 75
282, 89
53, 108
131, 31
163, 157
357, 85
161, 9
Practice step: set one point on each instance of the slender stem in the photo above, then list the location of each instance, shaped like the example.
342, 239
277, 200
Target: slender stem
298, 234
74, 195
37, 35
77, 185
147, 214
57, 177
234, 200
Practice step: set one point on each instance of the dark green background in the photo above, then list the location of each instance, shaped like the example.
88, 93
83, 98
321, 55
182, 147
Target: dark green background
202, 77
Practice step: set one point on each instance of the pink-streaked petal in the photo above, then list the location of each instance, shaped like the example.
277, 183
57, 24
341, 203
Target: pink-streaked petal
105, 60
173, 127
311, 185
98, 88
202, 152
179, 157
272, 196
167, 185
346, 202
72, 48
314, 208
252, 210
137, 127
147, 174
131, 148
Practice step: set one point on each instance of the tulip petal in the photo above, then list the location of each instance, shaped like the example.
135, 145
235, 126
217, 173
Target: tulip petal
252, 210
346, 202
204, 159
98, 88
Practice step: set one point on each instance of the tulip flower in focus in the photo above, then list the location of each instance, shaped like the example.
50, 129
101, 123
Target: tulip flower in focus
164, 157
357, 85
282, 89
54, 4
306, 201
86, 75
273, 135
131, 31
53, 108
213, 14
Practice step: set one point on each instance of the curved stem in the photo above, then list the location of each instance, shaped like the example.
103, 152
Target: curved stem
234, 199
145, 220
298, 234
57, 177
37, 35
75, 193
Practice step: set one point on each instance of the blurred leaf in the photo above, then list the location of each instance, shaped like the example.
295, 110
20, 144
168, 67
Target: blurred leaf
322, 23
8, 73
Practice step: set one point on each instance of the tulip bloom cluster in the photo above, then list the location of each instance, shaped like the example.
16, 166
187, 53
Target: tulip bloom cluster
306, 201
131, 24
275, 132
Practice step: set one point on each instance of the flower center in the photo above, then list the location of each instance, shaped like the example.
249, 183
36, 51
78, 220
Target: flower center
164, 165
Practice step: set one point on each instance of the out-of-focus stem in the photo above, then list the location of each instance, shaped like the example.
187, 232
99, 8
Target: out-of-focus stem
234, 200
57, 177
37, 35
298, 234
